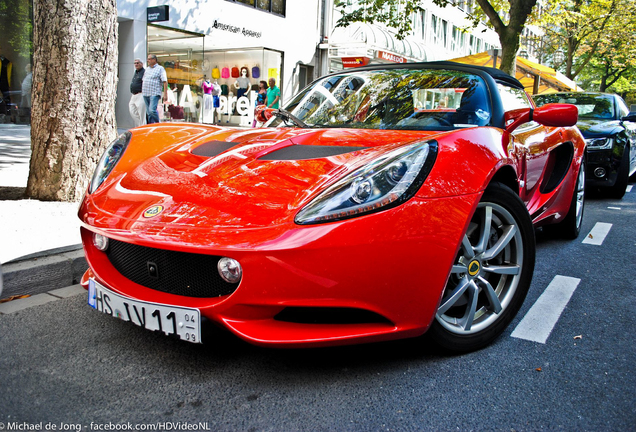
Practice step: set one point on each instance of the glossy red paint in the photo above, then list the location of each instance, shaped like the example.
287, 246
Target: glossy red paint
405, 248
243, 207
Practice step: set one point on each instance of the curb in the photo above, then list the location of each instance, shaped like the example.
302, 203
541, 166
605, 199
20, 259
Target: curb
44, 271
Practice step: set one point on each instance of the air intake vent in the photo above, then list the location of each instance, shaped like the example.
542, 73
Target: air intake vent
180, 273
212, 148
302, 152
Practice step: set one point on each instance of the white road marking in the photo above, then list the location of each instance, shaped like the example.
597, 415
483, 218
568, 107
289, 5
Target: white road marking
629, 188
614, 208
598, 234
538, 323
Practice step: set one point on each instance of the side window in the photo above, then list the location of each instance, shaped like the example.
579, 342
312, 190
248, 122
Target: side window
514, 98
622, 108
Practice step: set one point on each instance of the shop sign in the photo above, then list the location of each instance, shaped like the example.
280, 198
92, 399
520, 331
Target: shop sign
391, 57
235, 29
350, 62
158, 13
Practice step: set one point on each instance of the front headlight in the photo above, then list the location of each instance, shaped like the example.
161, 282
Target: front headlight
108, 160
599, 143
386, 182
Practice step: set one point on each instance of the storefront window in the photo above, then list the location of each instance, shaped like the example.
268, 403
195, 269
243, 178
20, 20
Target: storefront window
181, 54
235, 75
16, 52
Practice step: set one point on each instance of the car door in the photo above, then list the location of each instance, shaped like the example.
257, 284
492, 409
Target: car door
535, 143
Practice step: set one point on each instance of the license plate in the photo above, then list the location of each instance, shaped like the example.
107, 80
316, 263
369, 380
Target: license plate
172, 320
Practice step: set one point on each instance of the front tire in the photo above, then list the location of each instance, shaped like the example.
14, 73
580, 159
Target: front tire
491, 274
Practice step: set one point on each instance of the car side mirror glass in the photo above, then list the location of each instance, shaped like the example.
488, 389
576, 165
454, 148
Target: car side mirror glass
631, 117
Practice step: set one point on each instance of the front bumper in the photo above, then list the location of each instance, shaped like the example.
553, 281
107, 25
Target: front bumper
392, 265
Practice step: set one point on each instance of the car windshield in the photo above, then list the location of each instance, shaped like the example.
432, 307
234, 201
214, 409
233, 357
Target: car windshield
592, 106
411, 99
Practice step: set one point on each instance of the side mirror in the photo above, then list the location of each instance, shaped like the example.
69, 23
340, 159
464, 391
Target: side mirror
262, 113
557, 115
631, 117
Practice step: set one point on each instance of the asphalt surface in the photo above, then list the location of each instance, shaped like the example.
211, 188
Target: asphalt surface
65, 365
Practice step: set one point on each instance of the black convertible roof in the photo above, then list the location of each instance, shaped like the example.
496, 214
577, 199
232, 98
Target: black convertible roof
496, 74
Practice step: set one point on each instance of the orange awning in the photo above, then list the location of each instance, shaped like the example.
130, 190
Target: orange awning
536, 78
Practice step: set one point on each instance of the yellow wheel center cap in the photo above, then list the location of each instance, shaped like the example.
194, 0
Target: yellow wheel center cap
473, 268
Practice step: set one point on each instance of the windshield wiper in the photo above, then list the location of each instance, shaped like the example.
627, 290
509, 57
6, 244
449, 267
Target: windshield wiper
286, 116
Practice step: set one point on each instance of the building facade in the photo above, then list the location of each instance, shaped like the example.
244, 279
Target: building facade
217, 40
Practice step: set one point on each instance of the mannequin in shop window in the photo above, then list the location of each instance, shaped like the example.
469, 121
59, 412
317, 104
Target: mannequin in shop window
208, 105
216, 99
242, 84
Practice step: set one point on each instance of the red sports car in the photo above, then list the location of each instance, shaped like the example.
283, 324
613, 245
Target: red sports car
382, 203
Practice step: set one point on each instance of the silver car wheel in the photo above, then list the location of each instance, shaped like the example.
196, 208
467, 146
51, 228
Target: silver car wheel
486, 273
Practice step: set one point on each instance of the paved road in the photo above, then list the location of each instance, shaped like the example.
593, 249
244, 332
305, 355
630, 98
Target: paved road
64, 364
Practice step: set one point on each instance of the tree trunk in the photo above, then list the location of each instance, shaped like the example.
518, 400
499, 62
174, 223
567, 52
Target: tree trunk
74, 91
509, 47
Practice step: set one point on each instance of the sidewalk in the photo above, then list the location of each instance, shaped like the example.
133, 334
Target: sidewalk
48, 229
28, 226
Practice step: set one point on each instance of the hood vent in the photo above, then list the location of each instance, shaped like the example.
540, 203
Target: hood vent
213, 148
302, 152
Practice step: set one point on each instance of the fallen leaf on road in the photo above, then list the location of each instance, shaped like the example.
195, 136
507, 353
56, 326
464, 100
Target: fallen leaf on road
16, 297
578, 337
590, 236
538, 369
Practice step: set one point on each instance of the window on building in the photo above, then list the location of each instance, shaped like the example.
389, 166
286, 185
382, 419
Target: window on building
455, 39
444, 33
272, 6
433, 29
305, 76
424, 26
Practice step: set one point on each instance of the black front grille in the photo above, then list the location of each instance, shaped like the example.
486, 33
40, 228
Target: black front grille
180, 273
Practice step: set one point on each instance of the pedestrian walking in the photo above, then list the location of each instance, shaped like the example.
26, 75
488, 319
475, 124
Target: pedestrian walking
137, 105
155, 85
273, 94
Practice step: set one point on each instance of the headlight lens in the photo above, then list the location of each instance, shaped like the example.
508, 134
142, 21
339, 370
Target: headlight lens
108, 160
599, 143
386, 182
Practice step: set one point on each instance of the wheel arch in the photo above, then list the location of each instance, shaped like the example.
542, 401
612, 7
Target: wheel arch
507, 176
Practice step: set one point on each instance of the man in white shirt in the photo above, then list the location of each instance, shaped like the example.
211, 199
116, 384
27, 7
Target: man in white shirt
155, 86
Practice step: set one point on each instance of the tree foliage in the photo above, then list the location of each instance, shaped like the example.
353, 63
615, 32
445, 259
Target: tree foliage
15, 17
593, 41
507, 18
579, 31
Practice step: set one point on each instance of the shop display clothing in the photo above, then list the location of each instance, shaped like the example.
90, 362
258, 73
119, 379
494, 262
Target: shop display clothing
243, 84
208, 108
216, 92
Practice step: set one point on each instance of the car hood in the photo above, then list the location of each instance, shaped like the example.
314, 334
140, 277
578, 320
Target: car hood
201, 176
591, 128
